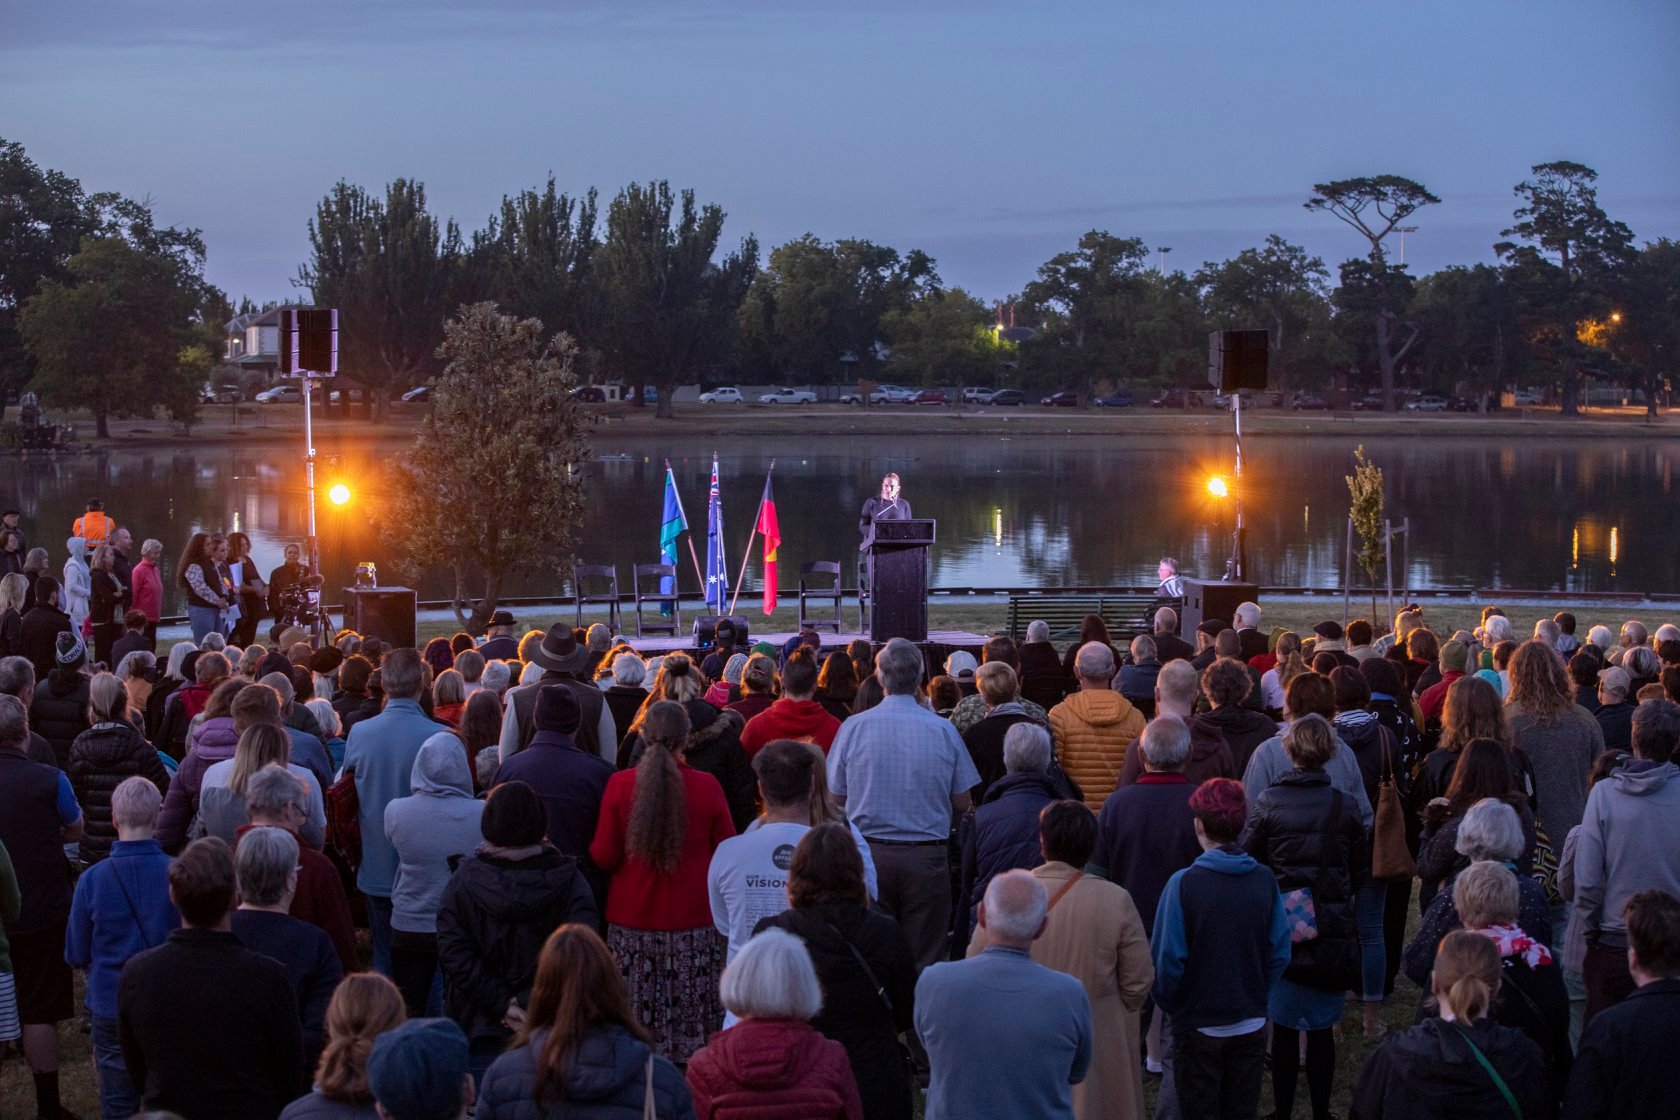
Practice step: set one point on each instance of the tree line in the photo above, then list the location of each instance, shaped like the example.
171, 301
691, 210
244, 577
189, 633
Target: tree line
654, 294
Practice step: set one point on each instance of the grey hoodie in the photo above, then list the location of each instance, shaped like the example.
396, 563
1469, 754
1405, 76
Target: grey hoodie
1629, 842
440, 820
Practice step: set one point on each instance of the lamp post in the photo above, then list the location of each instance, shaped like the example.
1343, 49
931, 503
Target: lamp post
1403, 231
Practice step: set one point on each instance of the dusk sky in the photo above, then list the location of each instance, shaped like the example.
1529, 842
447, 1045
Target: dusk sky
991, 135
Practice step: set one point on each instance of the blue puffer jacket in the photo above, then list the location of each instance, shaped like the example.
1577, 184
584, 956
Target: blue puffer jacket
1004, 834
605, 1080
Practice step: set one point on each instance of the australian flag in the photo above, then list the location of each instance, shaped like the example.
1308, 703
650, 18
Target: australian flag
717, 575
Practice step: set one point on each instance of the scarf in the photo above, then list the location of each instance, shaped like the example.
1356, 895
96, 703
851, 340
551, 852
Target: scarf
1511, 941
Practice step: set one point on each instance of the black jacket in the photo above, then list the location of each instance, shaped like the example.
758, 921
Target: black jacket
571, 783
1617, 722
311, 963
1244, 730
1043, 680
59, 711
491, 924
101, 759
132, 641
156, 703
1534, 917
109, 599
1146, 834
1619, 1068
1289, 830
11, 631
1004, 835
1171, 647
210, 1028
854, 1012
38, 637
984, 741
624, 701
714, 746
1430, 1073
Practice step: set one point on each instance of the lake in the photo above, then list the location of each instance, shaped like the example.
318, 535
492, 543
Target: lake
1567, 514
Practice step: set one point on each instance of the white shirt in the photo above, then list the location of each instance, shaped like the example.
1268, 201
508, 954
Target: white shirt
747, 878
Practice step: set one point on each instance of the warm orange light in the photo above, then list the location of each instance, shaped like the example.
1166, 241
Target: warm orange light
1615, 316
1216, 487
339, 494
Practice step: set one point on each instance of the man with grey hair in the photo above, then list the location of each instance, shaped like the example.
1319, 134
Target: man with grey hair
1168, 645
1094, 727
1005, 831
1547, 631
1246, 621
1043, 680
265, 866
1176, 689
1025, 1061
497, 676
1145, 831
275, 798
308, 751
17, 678
38, 816
902, 774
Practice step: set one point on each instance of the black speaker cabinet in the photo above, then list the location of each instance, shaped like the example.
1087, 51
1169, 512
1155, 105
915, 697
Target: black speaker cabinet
1206, 598
705, 631
1238, 359
386, 613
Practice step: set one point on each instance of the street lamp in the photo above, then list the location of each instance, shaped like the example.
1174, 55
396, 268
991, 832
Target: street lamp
1403, 231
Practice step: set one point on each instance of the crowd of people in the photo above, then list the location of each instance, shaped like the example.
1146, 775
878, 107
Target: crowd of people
774, 881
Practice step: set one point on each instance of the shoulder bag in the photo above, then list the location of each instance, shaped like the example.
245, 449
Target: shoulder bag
344, 819
1298, 907
1391, 858
880, 994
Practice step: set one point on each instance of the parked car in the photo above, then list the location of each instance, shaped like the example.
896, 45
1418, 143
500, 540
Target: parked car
875, 397
1122, 399
1525, 396
1310, 402
280, 394
1009, 398
931, 396
975, 395
589, 394
1370, 402
1174, 398
788, 396
219, 394
420, 393
1428, 402
725, 395
1066, 398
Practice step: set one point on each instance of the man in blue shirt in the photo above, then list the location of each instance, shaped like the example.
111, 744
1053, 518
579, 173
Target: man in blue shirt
1005, 1036
381, 752
902, 773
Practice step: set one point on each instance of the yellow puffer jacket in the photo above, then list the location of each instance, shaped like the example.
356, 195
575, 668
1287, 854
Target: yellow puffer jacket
1092, 731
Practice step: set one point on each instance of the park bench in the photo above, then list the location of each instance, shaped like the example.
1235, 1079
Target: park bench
1127, 614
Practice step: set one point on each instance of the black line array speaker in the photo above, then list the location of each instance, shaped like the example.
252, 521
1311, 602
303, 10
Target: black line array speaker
1238, 359
308, 341
387, 613
1206, 598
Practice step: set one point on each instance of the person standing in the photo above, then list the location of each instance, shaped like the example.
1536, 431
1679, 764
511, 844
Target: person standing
95, 526
107, 600
197, 576
275, 798
797, 715
102, 758
40, 627
78, 583
1559, 737
146, 595
901, 773
1095, 727
249, 590
364, 1006
122, 557
563, 660
1003, 832
889, 505
1021, 1063
208, 1027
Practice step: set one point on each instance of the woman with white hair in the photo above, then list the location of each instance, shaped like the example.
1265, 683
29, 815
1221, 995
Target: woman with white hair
626, 688
326, 717
135, 671
174, 676
102, 758
771, 986
496, 677
1601, 637
146, 584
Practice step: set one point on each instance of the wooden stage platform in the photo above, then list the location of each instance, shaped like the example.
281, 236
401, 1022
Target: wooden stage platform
937, 640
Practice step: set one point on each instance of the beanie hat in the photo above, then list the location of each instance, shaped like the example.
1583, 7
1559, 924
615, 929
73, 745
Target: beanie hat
1454, 655
415, 1071
734, 667
766, 648
69, 651
557, 710
513, 816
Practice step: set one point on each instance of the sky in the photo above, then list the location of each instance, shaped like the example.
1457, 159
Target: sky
990, 135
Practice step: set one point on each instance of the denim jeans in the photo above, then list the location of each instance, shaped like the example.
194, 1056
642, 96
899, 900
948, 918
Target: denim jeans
118, 1099
1369, 904
203, 620
379, 932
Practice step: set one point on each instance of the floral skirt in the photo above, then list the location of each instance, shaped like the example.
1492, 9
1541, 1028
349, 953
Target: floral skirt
673, 980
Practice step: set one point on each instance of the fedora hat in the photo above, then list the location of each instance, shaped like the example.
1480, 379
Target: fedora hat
560, 650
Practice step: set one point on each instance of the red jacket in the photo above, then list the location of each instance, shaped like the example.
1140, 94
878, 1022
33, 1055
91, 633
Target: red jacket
1434, 698
773, 1069
640, 897
804, 720
148, 590
320, 900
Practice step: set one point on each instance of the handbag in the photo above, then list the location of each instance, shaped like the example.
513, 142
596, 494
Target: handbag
1545, 870
1391, 858
1299, 911
344, 819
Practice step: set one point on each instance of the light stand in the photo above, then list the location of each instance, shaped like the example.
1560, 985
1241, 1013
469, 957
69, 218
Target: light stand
312, 544
1236, 565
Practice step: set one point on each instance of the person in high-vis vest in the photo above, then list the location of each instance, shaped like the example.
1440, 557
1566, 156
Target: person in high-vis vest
94, 526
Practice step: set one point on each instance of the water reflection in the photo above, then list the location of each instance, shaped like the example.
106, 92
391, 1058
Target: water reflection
1022, 511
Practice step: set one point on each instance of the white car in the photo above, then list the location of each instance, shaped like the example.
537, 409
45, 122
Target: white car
280, 394
974, 395
788, 396
1429, 402
895, 394
727, 395
1525, 396
418, 393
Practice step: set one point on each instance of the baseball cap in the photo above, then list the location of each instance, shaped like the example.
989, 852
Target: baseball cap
1615, 679
961, 665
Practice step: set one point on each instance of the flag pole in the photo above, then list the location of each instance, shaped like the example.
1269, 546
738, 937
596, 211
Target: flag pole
747, 552
689, 533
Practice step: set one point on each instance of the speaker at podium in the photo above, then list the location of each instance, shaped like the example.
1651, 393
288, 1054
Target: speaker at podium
899, 585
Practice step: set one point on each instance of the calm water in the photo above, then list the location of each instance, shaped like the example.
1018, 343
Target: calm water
1585, 515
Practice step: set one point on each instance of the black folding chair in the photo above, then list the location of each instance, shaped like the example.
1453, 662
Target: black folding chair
588, 576
640, 576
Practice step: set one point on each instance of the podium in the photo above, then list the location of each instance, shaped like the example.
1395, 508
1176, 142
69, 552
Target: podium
899, 586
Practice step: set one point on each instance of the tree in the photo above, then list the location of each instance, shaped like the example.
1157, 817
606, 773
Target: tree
1365, 488
1375, 206
1093, 291
534, 258
393, 271
818, 304
112, 338
1645, 331
498, 459
1468, 319
1560, 217
943, 338
1380, 294
1279, 287
668, 309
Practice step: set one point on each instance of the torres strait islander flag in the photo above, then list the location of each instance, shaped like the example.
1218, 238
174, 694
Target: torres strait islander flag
772, 541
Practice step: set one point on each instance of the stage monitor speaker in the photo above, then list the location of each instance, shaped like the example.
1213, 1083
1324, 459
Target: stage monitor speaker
705, 630
308, 341
1238, 359
1206, 598
386, 613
